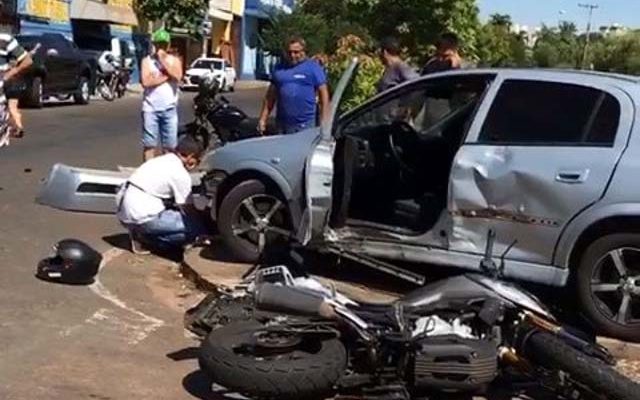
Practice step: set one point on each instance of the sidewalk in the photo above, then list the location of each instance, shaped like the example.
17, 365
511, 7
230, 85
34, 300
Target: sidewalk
209, 270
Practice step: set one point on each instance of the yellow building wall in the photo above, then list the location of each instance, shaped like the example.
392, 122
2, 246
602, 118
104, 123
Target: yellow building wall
237, 7
54, 10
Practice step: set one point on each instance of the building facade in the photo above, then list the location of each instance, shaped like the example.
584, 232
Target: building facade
92, 25
255, 63
44, 16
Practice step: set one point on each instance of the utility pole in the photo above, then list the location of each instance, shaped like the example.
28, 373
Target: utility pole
587, 39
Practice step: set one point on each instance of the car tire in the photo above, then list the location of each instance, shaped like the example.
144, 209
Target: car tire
35, 92
232, 87
608, 285
239, 228
83, 95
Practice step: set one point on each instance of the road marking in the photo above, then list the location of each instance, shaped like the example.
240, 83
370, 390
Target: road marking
135, 324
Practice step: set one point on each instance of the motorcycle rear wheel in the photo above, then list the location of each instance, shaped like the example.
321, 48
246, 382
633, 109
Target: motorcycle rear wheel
299, 372
600, 380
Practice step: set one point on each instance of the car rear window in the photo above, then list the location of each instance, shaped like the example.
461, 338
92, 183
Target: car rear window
207, 64
547, 113
29, 41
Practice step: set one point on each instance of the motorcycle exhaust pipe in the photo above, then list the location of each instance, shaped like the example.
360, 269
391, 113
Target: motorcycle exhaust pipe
285, 299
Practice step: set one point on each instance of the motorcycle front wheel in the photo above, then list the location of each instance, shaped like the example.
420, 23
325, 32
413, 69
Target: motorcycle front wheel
593, 379
105, 90
243, 357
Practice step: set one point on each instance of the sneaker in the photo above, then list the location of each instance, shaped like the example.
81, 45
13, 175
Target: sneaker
137, 247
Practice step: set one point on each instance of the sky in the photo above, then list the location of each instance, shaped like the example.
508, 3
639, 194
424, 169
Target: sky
535, 12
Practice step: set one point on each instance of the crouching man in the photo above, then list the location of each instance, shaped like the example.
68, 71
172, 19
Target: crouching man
152, 204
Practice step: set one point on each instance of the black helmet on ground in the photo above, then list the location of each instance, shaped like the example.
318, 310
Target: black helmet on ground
74, 262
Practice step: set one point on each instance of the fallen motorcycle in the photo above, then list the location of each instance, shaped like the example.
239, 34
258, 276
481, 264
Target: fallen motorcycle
467, 335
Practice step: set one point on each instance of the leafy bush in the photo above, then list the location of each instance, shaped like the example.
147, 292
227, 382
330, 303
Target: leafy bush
369, 72
312, 28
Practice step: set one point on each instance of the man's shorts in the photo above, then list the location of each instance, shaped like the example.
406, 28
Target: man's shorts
160, 128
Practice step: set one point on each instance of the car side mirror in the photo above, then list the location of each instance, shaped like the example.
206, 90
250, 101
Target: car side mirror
52, 53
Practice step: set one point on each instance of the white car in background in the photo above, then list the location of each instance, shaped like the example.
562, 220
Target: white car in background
220, 68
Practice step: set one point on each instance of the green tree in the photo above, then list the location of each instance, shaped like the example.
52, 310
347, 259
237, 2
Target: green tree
187, 14
422, 23
498, 46
620, 54
313, 28
369, 71
557, 47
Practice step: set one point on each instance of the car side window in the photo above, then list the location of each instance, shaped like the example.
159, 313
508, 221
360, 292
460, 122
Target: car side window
528, 112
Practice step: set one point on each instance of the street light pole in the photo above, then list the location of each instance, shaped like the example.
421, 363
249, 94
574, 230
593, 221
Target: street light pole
589, 7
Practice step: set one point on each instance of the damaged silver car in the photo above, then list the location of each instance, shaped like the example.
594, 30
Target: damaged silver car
422, 173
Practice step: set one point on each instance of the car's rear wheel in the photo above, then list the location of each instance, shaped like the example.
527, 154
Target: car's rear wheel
251, 216
608, 284
35, 93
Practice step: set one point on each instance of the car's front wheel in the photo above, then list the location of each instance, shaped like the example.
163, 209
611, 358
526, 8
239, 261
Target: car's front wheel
608, 283
252, 216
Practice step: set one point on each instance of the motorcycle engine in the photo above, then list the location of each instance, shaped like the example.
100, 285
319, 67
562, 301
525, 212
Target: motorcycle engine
453, 363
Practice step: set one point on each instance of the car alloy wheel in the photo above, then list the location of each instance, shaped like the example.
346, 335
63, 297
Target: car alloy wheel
615, 285
259, 219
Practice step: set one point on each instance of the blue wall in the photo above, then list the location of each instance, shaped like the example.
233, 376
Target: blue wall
255, 64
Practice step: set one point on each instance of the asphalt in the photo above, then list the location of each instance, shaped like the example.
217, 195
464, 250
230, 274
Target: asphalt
120, 338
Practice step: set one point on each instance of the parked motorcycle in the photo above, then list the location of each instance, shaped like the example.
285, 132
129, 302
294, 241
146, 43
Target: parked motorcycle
110, 77
463, 336
217, 121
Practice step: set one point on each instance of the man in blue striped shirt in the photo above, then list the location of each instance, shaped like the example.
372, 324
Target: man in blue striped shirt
14, 60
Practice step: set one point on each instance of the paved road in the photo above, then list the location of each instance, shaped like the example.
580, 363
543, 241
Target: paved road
120, 339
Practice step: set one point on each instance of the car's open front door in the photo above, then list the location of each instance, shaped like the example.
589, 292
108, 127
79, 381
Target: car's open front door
319, 169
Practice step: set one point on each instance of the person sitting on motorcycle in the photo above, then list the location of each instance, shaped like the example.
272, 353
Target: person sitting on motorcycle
152, 204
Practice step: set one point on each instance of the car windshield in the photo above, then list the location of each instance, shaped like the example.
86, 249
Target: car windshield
207, 64
28, 41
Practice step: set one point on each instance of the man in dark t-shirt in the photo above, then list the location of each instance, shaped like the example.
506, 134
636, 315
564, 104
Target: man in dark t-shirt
298, 88
396, 71
447, 56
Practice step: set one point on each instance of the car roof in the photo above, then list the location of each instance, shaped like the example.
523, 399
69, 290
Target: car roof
628, 82
541, 73
208, 59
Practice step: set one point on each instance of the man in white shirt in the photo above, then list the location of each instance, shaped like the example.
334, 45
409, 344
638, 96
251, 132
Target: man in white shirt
152, 203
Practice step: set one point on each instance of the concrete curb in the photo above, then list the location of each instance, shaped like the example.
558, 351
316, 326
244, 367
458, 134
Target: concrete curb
193, 276
620, 350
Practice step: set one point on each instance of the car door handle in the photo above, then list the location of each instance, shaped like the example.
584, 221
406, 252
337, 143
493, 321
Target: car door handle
572, 176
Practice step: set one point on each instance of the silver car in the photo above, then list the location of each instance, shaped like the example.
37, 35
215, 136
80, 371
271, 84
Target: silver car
426, 172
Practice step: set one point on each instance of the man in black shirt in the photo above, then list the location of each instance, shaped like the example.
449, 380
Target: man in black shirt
447, 56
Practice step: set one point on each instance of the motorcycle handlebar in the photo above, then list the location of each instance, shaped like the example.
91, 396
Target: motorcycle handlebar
276, 298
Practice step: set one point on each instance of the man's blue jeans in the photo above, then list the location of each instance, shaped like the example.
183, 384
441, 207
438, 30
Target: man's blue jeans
294, 128
171, 228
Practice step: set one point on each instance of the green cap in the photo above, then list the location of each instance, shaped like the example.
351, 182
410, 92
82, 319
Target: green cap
161, 36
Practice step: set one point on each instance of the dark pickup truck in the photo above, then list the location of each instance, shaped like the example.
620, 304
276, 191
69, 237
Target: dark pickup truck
59, 70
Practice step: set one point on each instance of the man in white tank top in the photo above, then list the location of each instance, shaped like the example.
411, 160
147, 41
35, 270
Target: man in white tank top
161, 75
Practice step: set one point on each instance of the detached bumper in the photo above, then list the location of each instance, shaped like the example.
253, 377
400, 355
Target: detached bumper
89, 190
82, 189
